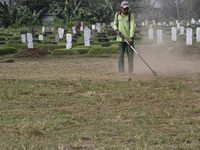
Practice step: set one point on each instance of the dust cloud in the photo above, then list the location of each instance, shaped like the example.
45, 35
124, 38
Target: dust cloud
165, 60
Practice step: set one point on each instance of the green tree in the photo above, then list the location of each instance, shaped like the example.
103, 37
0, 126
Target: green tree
8, 14
37, 5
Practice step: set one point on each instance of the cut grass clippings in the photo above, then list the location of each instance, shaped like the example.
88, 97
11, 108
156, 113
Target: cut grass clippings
162, 113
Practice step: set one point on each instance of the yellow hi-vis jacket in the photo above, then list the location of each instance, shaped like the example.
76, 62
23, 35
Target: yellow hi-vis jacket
122, 24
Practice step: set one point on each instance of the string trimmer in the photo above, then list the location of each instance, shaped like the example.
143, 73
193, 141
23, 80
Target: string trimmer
154, 73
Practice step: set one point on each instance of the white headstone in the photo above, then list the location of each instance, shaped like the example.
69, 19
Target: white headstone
189, 36
146, 22
93, 27
87, 35
68, 45
143, 24
159, 36
29, 37
193, 21
182, 30
23, 38
69, 41
112, 24
154, 22
43, 29
69, 38
74, 30
30, 40
178, 25
188, 24
41, 37
174, 34
81, 28
30, 45
98, 27
198, 34
150, 33
60, 33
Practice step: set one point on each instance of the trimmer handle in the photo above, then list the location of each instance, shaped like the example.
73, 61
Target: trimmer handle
121, 35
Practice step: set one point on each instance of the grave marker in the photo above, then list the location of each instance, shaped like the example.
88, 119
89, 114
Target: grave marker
189, 36
198, 34
23, 38
57, 38
30, 40
43, 29
150, 33
87, 36
41, 37
178, 25
98, 27
74, 30
69, 41
193, 21
159, 36
93, 31
112, 24
174, 34
182, 30
60, 33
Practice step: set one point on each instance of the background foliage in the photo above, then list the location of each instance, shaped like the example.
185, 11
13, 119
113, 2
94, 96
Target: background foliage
29, 12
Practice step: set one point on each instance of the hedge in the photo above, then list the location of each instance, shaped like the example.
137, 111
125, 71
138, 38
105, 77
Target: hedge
73, 51
103, 50
19, 47
7, 50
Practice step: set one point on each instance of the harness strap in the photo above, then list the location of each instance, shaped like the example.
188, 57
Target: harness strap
129, 18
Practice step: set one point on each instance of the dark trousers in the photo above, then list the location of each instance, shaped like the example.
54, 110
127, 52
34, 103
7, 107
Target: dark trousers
122, 47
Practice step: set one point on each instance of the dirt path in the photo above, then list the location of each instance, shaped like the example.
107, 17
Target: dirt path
165, 60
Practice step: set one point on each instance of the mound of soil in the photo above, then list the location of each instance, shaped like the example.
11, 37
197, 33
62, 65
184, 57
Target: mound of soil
35, 52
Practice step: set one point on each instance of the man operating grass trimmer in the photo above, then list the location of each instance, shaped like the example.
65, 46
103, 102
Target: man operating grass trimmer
124, 27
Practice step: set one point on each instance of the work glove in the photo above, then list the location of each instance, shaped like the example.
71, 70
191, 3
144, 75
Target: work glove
131, 41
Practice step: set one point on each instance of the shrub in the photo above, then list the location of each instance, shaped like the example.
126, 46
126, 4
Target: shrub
7, 50
14, 38
51, 47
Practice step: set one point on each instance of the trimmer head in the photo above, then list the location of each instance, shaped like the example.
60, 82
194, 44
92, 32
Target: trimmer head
154, 73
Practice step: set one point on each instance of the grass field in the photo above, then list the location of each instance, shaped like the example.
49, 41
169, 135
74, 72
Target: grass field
70, 103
